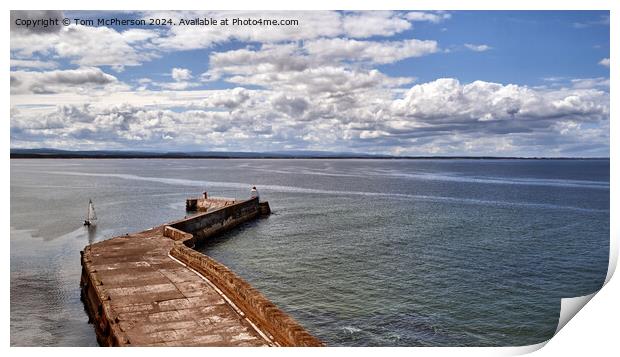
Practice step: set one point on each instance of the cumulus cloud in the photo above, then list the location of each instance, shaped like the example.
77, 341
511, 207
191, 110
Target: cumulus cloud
127, 125
230, 99
325, 81
478, 48
311, 86
375, 52
270, 58
181, 80
82, 79
314, 68
290, 105
448, 104
86, 46
291, 57
99, 46
181, 74
439, 117
312, 25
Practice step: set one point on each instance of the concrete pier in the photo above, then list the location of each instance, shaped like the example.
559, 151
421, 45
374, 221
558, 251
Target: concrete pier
152, 289
204, 204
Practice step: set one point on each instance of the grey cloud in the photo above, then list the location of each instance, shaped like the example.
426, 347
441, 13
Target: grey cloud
269, 59
87, 45
229, 99
439, 117
59, 80
312, 25
15, 82
75, 113
293, 106
271, 62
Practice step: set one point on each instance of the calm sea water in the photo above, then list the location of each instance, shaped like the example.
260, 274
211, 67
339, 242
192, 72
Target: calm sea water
360, 252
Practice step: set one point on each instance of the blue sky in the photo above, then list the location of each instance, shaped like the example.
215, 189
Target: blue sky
526, 46
525, 83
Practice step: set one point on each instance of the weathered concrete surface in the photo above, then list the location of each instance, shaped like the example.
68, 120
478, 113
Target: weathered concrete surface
204, 204
149, 299
152, 289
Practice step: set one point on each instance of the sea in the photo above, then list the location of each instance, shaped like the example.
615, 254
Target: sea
376, 252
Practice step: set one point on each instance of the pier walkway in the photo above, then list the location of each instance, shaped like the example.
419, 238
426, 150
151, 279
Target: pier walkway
152, 289
157, 301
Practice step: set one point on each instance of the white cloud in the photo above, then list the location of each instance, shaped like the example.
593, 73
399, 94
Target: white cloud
478, 48
376, 52
604, 62
74, 80
181, 80
314, 86
181, 74
587, 83
428, 16
447, 101
326, 81
270, 58
314, 67
312, 25
329, 108
86, 46
22, 63
99, 46
374, 23
176, 85
230, 99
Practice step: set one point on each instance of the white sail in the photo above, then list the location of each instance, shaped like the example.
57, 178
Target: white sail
92, 216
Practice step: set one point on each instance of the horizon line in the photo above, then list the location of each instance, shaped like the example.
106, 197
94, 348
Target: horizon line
50, 153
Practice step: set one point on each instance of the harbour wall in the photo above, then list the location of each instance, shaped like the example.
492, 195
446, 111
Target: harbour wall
205, 204
280, 328
205, 225
97, 306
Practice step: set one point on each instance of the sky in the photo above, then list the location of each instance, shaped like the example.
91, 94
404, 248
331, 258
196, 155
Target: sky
476, 83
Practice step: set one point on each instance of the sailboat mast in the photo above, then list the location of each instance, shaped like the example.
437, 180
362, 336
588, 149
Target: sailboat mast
92, 213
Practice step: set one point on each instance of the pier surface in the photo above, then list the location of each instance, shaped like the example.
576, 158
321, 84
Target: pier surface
159, 301
152, 289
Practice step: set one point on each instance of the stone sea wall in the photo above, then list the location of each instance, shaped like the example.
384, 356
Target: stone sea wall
122, 259
280, 327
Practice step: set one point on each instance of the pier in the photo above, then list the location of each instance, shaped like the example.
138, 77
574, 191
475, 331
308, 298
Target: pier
153, 289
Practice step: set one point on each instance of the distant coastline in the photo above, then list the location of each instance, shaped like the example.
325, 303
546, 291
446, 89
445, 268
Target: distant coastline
111, 154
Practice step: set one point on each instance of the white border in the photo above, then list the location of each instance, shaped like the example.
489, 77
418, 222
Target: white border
592, 331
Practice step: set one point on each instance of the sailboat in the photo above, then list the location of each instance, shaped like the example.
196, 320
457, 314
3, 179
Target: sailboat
91, 218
